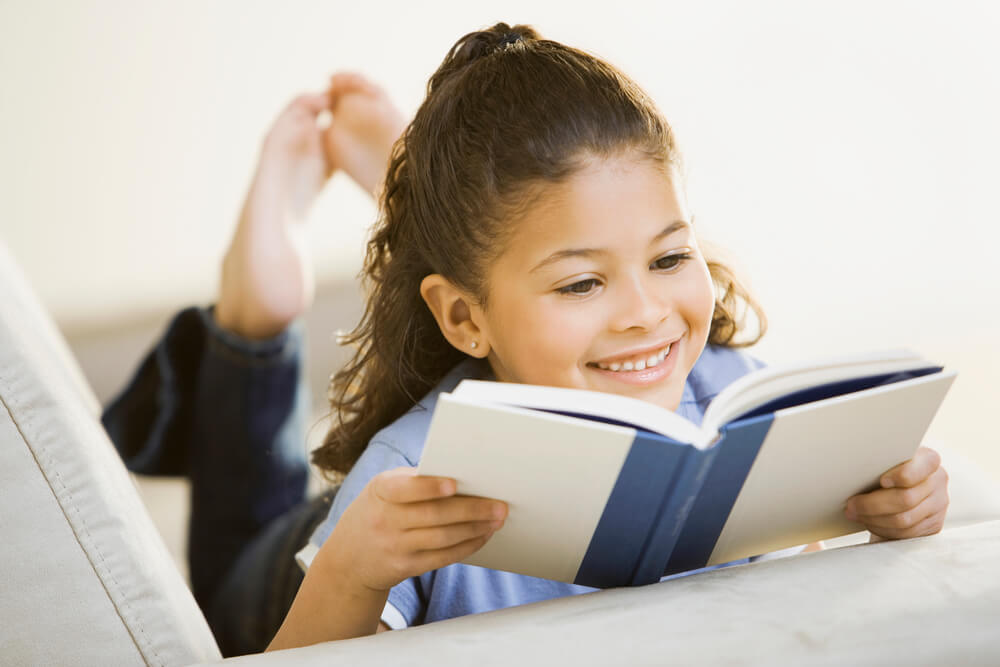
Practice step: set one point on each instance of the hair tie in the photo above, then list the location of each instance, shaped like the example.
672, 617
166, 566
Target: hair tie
509, 38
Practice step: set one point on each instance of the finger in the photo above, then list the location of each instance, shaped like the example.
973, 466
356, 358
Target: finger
442, 537
888, 501
404, 485
934, 505
928, 526
912, 472
425, 561
456, 509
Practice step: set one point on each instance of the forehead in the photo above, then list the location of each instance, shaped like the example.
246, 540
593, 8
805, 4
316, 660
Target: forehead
613, 202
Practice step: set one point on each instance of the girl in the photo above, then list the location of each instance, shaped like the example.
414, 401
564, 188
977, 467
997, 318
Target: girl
534, 206
532, 230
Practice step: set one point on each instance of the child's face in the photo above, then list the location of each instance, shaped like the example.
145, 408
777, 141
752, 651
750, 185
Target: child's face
602, 274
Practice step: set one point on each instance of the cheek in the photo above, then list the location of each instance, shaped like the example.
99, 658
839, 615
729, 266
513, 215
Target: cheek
552, 329
535, 330
700, 302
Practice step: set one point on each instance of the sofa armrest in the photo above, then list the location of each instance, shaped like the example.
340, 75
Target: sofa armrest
85, 578
926, 601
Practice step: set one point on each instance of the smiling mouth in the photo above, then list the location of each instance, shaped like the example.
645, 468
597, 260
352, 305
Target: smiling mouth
636, 363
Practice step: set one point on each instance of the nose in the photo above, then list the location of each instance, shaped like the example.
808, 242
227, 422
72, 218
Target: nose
640, 303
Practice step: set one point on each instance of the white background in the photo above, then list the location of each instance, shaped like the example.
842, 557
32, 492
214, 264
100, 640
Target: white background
844, 153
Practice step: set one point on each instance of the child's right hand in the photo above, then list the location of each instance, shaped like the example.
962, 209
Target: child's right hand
402, 525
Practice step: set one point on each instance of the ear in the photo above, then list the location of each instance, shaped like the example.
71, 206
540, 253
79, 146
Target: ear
456, 313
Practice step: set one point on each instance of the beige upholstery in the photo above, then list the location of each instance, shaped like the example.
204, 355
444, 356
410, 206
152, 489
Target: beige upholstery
930, 601
85, 577
86, 580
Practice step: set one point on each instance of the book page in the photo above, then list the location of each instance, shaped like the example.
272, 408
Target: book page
815, 456
585, 404
556, 490
766, 384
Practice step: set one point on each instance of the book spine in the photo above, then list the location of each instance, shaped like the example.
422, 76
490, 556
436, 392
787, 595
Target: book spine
735, 453
678, 498
631, 510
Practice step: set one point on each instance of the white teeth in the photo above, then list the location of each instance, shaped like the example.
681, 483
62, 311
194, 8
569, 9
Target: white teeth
642, 364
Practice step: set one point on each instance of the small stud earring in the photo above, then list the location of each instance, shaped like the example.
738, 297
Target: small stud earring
473, 344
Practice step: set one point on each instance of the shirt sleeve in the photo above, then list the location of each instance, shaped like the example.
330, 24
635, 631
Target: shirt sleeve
404, 606
393, 617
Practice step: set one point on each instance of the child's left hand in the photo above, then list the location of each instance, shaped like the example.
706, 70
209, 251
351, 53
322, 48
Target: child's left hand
912, 501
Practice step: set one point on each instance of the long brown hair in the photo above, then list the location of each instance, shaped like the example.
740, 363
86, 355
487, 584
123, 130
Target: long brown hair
506, 111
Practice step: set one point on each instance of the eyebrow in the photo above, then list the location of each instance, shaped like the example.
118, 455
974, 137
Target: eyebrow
673, 227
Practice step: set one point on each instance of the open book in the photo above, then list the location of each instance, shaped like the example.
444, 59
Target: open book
605, 490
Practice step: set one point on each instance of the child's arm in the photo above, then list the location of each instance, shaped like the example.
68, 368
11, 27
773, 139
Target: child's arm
400, 526
912, 502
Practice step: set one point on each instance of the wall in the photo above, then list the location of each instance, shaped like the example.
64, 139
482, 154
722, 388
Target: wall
844, 154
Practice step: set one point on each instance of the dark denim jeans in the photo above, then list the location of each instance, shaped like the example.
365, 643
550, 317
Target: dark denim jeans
229, 414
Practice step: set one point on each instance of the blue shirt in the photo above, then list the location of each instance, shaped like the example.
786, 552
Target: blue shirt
457, 590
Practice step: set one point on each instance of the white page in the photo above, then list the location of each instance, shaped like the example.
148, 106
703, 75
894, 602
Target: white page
555, 492
766, 384
634, 411
818, 455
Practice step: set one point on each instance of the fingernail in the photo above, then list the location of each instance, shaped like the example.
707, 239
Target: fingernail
850, 513
499, 511
887, 483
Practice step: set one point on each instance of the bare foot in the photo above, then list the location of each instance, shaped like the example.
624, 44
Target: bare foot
266, 278
364, 128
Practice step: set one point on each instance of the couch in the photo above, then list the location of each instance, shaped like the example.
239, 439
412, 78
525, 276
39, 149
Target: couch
86, 579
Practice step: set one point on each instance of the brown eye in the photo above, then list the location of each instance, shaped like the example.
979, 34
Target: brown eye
668, 262
581, 287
